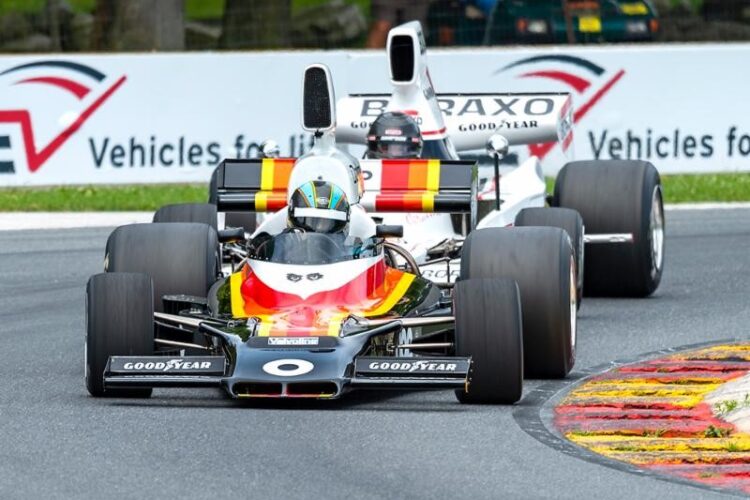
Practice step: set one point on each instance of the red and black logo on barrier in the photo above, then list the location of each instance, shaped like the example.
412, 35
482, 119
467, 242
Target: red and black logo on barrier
87, 88
581, 76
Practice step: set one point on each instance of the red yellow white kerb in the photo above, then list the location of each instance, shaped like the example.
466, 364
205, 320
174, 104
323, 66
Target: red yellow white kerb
657, 415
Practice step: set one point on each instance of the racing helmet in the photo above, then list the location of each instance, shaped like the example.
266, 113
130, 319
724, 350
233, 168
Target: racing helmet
320, 207
394, 135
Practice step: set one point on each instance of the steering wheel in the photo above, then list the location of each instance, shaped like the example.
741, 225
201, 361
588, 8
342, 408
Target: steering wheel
411, 264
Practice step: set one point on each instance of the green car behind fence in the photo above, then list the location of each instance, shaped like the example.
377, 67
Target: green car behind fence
560, 21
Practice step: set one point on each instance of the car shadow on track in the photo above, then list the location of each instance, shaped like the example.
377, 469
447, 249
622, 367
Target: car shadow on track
365, 401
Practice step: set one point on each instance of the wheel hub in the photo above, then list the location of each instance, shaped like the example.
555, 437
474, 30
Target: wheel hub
656, 232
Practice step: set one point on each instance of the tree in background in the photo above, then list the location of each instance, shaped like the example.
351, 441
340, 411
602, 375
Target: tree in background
139, 25
256, 24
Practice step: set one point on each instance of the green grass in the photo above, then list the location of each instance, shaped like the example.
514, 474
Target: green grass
100, 198
677, 189
708, 187
37, 6
716, 432
194, 9
204, 9
726, 407
696, 188
214, 9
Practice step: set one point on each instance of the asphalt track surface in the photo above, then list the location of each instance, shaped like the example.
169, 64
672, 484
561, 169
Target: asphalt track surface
57, 442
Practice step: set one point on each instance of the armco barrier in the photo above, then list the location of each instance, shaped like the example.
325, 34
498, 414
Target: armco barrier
147, 118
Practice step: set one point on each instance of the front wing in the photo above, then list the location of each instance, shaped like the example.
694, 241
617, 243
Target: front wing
289, 367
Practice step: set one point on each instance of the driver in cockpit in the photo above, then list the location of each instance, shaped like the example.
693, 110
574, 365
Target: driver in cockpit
394, 135
317, 228
319, 207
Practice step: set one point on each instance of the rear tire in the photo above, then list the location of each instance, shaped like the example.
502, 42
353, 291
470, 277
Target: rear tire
180, 258
488, 328
564, 218
119, 322
617, 196
541, 261
202, 213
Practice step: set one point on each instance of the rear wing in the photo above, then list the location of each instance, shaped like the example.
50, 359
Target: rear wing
252, 185
470, 119
428, 186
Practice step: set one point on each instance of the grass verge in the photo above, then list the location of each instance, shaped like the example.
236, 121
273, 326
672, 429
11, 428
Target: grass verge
99, 198
697, 188
677, 189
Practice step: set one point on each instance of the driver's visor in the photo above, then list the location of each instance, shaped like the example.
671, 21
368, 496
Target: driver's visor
398, 147
322, 213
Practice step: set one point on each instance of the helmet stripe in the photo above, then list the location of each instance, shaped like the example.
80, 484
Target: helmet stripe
308, 193
336, 195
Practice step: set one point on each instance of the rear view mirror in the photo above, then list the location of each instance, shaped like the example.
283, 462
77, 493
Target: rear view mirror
497, 146
318, 101
389, 231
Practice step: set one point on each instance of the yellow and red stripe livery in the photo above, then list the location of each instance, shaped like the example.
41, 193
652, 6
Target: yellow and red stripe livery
374, 293
274, 179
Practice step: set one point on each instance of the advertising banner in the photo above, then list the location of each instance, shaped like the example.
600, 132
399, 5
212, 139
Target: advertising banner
148, 118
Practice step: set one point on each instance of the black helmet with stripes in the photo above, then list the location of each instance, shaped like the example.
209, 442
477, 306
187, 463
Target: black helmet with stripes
394, 135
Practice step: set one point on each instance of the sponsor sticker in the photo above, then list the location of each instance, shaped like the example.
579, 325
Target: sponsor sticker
303, 341
288, 367
163, 365
413, 366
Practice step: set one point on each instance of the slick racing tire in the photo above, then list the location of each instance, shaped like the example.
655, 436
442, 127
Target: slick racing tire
180, 258
617, 196
203, 213
119, 322
248, 220
564, 218
488, 328
541, 261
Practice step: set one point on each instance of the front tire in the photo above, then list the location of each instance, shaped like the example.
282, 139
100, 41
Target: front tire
119, 322
564, 218
541, 261
488, 328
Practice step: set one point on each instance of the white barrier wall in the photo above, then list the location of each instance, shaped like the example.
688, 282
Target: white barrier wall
143, 118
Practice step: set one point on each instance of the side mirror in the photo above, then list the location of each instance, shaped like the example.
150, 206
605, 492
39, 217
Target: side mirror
270, 149
389, 231
497, 146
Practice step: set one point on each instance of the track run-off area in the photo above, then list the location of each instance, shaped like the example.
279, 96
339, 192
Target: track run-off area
57, 442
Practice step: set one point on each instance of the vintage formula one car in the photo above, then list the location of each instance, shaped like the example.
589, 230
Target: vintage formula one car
319, 301
611, 208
